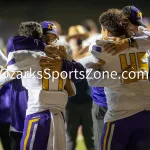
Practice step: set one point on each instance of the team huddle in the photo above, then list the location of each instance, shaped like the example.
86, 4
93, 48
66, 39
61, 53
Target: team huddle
123, 48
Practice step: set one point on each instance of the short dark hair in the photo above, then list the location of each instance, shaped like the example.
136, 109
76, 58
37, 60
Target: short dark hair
30, 29
114, 21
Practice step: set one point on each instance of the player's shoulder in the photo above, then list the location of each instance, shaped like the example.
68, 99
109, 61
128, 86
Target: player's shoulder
88, 59
95, 49
97, 45
26, 53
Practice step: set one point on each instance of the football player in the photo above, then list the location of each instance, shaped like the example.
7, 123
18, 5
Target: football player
140, 35
44, 112
127, 96
50, 37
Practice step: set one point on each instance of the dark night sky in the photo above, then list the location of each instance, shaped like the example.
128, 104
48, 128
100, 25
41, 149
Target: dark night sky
65, 12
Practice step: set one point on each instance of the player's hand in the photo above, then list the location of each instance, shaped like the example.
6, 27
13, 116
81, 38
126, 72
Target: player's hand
118, 46
44, 60
81, 53
54, 63
58, 50
96, 66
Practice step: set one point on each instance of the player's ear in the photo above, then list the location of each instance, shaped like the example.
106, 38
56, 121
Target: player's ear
109, 34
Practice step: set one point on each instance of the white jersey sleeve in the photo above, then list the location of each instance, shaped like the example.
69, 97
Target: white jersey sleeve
23, 59
143, 41
98, 78
102, 78
97, 50
88, 60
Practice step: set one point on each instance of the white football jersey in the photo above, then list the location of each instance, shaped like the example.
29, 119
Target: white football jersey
143, 41
123, 99
44, 92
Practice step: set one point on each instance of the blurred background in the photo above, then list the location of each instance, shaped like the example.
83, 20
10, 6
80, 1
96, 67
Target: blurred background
66, 12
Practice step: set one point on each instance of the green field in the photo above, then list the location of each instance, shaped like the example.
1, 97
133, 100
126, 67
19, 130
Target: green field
0, 146
80, 143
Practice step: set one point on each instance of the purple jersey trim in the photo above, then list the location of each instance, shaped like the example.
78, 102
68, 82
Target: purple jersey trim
96, 48
11, 62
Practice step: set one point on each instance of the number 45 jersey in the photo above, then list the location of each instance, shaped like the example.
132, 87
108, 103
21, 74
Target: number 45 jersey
125, 97
43, 92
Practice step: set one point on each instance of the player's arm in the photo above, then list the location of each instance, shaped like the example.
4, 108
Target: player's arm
97, 78
82, 53
6, 76
70, 88
21, 60
141, 42
57, 50
17, 61
68, 64
73, 69
94, 73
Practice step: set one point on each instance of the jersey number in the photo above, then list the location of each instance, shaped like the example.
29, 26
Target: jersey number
45, 81
134, 63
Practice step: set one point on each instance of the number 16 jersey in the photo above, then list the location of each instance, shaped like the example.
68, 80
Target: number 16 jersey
43, 92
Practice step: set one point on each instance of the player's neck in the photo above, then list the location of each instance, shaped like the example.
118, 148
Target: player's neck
122, 36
